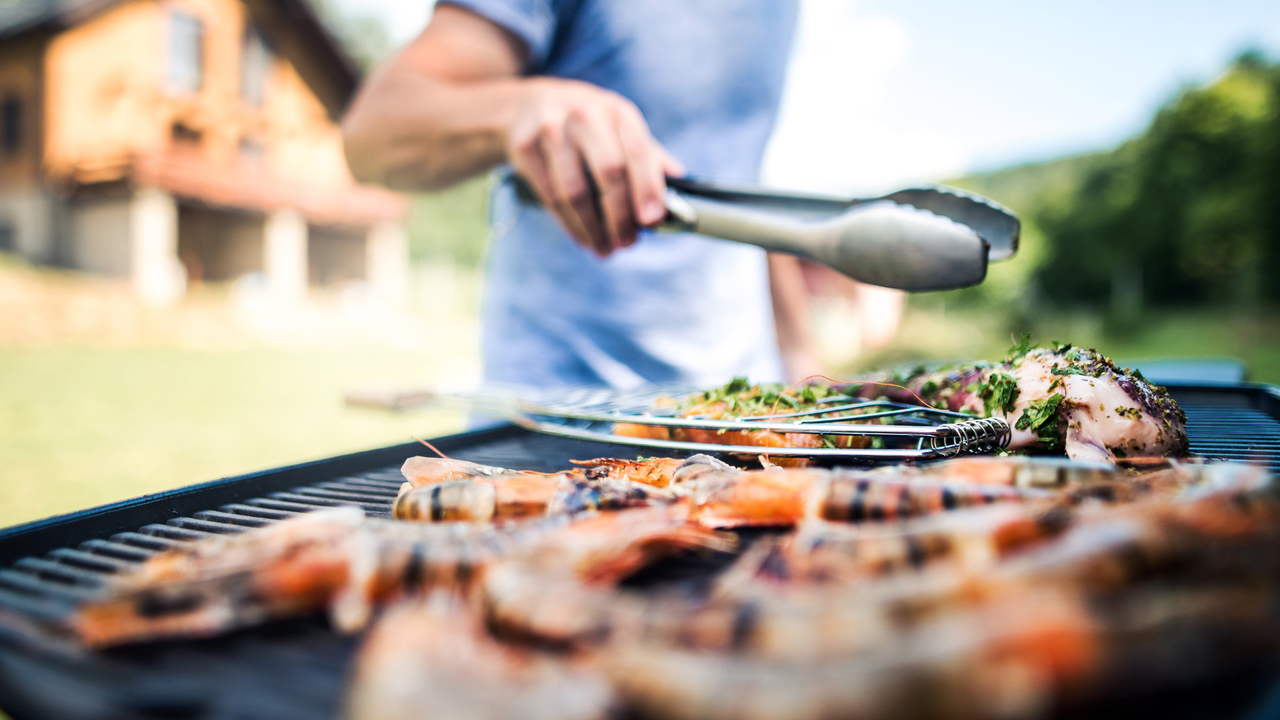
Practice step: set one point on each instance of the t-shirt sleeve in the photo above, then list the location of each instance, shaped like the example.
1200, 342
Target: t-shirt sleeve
533, 21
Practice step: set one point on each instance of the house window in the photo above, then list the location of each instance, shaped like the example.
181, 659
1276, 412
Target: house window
186, 52
11, 125
182, 135
255, 64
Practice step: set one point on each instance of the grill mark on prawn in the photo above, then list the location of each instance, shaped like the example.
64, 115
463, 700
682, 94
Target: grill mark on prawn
916, 553
744, 624
948, 499
463, 571
414, 569
437, 510
857, 510
871, 500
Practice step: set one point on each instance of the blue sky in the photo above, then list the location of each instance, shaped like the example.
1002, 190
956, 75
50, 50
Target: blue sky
883, 93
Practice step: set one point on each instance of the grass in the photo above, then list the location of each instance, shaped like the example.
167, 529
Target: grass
82, 426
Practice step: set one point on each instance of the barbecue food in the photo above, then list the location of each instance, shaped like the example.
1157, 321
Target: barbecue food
442, 489
784, 497
433, 658
335, 560
740, 399
979, 587
559, 589
1060, 399
515, 496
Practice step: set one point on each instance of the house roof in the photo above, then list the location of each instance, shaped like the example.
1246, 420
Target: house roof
291, 26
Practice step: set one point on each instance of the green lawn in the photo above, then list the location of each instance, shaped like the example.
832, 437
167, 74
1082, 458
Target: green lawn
82, 426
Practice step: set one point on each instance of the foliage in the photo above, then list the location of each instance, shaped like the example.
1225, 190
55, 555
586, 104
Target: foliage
1180, 215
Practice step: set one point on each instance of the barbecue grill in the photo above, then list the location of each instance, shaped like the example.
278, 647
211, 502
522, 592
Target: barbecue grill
297, 668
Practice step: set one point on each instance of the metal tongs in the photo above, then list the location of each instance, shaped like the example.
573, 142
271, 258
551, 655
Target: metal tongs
918, 239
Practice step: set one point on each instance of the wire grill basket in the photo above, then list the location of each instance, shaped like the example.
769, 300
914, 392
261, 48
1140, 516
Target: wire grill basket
897, 431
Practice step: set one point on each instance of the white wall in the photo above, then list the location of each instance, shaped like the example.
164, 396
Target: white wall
157, 274
99, 239
28, 212
387, 266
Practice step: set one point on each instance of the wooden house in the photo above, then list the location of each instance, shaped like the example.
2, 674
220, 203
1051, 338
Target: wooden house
180, 141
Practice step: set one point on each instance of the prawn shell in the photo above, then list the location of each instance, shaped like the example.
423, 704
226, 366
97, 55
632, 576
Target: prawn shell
654, 471
441, 502
763, 498
419, 471
862, 498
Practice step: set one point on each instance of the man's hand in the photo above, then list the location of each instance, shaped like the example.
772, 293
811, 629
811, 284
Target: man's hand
454, 103
589, 155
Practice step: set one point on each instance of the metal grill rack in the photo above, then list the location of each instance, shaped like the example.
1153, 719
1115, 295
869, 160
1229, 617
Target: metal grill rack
47, 587
917, 433
295, 669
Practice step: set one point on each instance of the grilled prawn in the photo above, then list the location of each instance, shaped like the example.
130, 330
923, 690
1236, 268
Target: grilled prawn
560, 588
509, 497
334, 559
724, 497
1019, 655
1112, 604
432, 658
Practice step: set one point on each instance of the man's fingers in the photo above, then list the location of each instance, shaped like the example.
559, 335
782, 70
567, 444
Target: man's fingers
528, 163
671, 167
645, 167
573, 201
596, 136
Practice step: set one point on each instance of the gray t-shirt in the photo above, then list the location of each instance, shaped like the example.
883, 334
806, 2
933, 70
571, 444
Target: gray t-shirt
708, 76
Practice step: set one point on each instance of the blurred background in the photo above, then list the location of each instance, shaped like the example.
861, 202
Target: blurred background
190, 280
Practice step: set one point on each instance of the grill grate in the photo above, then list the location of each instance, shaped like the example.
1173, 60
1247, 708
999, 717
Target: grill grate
294, 669
47, 587
1240, 434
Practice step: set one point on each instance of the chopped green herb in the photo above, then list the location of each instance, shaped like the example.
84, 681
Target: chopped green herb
1000, 392
1022, 347
1041, 418
1068, 370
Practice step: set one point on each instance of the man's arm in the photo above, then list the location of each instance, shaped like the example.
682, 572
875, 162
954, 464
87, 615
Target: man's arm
796, 340
453, 104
